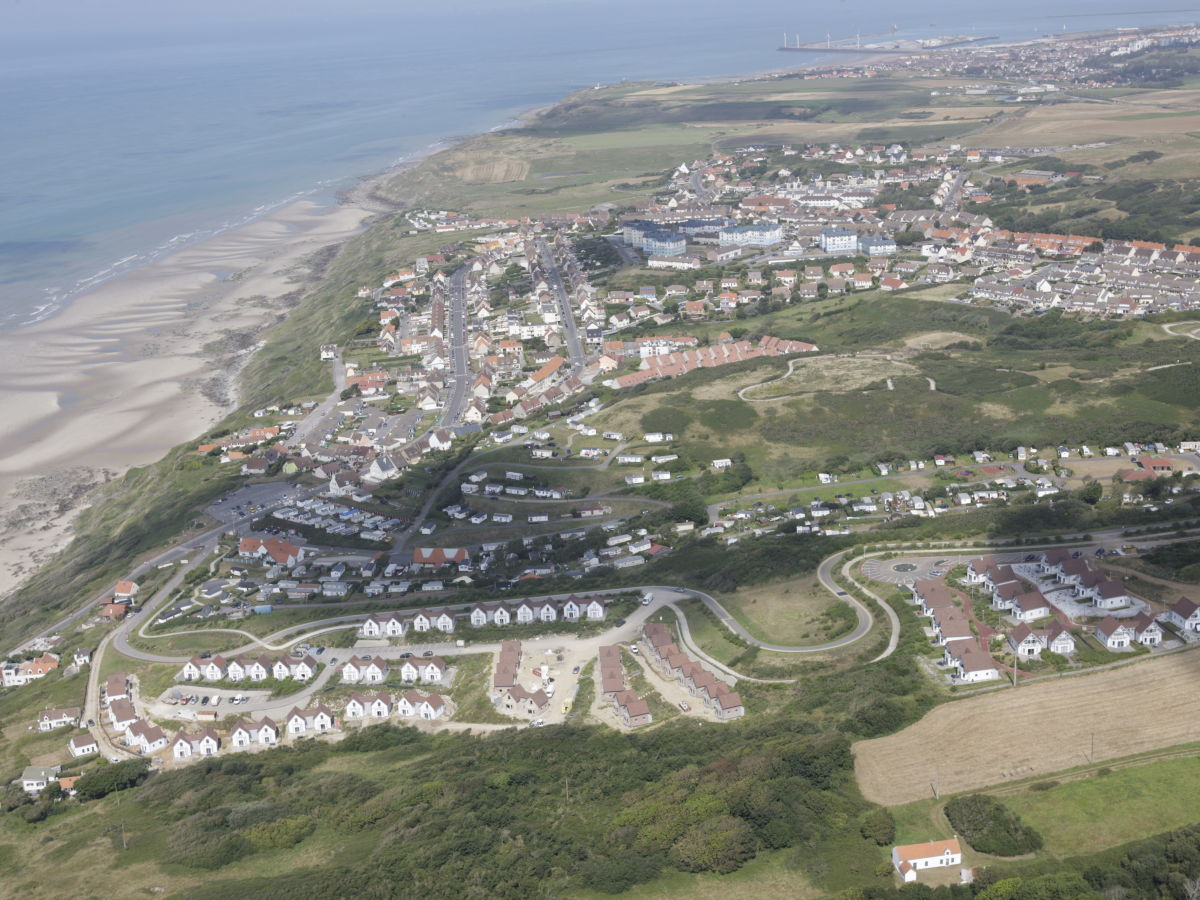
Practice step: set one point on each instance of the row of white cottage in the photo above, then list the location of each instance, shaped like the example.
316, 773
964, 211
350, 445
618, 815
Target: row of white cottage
245, 668
374, 670
265, 732
524, 612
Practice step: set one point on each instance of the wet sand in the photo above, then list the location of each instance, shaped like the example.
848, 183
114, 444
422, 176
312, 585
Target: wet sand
137, 366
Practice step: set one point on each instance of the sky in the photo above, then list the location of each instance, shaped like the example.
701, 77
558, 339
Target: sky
83, 18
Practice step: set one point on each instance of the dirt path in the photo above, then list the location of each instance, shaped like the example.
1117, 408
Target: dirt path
1193, 331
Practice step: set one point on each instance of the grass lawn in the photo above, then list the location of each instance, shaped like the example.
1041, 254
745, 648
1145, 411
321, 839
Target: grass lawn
796, 611
768, 874
186, 644
708, 636
1092, 811
1106, 810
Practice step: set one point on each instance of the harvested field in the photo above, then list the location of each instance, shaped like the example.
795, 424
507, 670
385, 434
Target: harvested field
495, 171
1034, 731
1080, 122
935, 340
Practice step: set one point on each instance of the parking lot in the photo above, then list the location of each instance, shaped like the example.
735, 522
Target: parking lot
907, 570
242, 504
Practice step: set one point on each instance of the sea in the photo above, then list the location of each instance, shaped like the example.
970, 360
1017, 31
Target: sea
124, 143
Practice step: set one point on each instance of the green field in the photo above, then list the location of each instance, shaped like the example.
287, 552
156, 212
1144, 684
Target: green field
1086, 812
1109, 808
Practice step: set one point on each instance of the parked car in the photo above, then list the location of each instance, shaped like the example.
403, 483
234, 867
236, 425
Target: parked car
684, 706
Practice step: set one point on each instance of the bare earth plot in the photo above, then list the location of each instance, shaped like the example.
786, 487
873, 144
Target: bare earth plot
1035, 730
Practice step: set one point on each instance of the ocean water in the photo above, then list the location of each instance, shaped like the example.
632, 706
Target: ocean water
124, 142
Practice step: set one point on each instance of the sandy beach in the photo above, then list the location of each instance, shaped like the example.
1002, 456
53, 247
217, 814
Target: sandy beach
137, 366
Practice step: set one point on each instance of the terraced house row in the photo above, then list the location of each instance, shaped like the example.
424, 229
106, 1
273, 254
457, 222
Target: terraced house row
633, 710
523, 612
675, 664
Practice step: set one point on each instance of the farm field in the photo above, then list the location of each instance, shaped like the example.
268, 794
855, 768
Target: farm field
1112, 808
1088, 811
1033, 731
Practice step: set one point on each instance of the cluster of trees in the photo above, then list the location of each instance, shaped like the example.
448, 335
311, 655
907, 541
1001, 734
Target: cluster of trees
1180, 561
452, 815
991, 827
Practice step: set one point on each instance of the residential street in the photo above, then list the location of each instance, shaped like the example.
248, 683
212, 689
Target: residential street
566, 312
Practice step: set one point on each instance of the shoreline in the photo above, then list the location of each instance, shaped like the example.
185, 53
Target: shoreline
140, 364
150, 358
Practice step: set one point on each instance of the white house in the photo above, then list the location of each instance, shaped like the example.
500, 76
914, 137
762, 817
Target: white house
368, 706
185, 745
1115, 634
386, 625
1185, 614
1030, 606
364, 670
432, 707
36, 778
1027, 643
1146, 631
264, 732
303, 721
972, 663
57, 718
83, 745
426, 670
1060, 640
910, 859
145, 737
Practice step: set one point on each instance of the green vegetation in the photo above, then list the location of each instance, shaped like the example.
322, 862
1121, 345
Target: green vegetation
471, 692
579, 810
110, 778
697, 799
1076, 815
990, 827
1179, 562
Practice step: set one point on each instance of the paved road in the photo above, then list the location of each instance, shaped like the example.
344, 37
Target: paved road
460, 357
1192, 332
954, 198
315, 421
566, 312
685, 638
